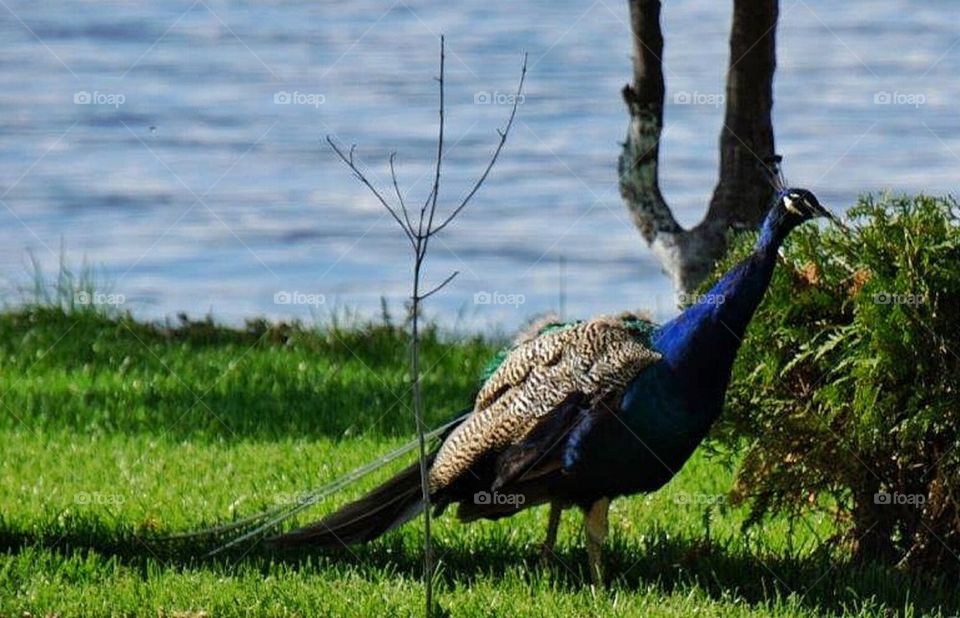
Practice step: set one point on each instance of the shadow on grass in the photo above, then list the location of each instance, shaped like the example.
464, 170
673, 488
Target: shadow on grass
664, 563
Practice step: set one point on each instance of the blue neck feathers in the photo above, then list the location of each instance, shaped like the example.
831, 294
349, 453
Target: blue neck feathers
700, 345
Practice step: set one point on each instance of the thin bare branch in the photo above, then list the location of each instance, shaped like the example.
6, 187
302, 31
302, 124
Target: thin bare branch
435, 193
441, 286
496, 153
348, 159
426, 203
396, 188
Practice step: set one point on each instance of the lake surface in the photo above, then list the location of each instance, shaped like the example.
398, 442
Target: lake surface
154, 142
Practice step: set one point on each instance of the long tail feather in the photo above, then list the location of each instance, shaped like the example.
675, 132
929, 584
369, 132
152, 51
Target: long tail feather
390, 505
262, 523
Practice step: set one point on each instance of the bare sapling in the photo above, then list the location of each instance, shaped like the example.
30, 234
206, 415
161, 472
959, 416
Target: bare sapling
418, 229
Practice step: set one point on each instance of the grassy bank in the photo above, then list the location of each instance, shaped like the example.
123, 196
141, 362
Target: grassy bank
113, 429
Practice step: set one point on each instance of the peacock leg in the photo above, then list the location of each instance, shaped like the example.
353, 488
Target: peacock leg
596, 528
553, 523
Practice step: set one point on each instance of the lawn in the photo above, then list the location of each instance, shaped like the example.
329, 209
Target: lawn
114, 432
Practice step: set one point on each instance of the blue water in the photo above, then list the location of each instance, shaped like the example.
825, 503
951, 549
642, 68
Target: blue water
192, 190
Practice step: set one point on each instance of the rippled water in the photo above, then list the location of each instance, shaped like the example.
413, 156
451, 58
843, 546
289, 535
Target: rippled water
193, 190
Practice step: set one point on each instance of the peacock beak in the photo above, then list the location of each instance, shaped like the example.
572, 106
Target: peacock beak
834, 219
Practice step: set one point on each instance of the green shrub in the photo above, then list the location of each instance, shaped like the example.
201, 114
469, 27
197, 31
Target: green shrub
846, 393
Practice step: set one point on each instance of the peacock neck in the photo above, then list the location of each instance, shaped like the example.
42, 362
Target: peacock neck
700, 345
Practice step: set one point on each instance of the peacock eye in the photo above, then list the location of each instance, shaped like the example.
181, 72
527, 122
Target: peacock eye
790, 202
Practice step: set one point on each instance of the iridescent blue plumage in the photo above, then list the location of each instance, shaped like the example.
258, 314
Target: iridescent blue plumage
598, 441
667, 410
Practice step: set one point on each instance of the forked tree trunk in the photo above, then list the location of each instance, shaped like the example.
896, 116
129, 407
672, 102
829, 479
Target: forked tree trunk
743, 192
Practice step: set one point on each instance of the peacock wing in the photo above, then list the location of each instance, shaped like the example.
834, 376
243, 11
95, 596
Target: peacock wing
580, 362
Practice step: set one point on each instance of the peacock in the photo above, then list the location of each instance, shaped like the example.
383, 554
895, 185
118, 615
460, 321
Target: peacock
578, 414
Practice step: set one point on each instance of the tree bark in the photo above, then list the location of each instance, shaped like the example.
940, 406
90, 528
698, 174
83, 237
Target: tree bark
743, 192
639, 183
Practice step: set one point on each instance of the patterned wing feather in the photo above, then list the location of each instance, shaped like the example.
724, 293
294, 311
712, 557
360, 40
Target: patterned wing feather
593, 358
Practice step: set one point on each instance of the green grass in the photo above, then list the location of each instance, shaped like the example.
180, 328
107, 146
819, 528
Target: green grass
113, 431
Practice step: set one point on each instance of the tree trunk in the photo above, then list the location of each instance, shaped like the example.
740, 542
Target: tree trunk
743, 193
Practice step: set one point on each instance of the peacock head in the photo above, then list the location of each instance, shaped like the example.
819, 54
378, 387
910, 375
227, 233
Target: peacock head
793, 207
801, 204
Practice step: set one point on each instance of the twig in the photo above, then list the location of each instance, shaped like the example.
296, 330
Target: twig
441, 286
396, 188
356, 171
496, 153
436, 177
